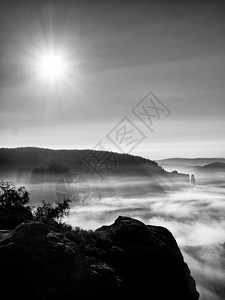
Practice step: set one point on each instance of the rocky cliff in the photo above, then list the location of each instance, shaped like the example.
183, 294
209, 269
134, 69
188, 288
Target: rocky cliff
126, 260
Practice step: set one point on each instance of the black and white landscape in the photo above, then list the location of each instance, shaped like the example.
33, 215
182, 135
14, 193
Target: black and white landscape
115, 108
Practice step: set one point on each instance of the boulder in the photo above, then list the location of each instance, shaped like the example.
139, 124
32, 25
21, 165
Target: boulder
150, 264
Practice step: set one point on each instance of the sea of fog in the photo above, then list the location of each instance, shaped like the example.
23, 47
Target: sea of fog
194, 214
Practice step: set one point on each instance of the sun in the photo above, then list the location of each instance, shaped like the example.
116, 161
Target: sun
51, 66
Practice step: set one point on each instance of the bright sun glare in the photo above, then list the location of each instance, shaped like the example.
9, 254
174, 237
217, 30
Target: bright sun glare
51, 66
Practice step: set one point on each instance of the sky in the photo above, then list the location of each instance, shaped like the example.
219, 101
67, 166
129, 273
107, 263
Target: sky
143, 77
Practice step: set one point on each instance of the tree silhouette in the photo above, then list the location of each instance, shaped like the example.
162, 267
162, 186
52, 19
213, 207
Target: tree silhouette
10, 196
49, 213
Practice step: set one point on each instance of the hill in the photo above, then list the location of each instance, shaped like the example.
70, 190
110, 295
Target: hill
213, 167
30, 157
190, 161
187, 164
72, 172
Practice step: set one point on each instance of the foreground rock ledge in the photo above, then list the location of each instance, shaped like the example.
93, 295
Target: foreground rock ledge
126, 260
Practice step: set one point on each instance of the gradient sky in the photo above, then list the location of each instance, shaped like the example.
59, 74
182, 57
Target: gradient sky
117, 52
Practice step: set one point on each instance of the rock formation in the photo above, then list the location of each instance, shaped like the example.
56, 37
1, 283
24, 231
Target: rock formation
192, 179
126, 260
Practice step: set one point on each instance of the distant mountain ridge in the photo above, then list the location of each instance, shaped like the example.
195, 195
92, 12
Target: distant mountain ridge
213, 170
214, 166
187, 165
190, 161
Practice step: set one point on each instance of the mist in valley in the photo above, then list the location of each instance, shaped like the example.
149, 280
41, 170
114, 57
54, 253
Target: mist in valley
194, 215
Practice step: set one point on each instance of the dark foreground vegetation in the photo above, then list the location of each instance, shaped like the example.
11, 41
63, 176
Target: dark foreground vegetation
43, 258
